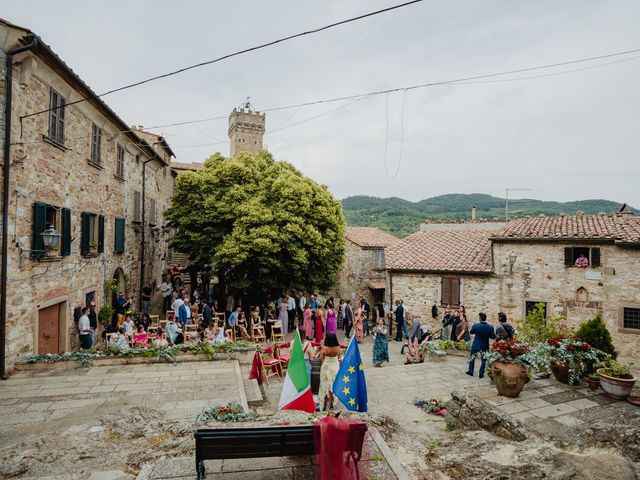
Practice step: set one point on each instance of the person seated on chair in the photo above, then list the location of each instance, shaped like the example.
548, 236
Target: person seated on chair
119, 341
159, 341
241, 326
194, 337
218, 335
140, 338
233, 317
174, 333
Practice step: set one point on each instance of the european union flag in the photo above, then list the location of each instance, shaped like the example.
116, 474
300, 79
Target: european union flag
350, 385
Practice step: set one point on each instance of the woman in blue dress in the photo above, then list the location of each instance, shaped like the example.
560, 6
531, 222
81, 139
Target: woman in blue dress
380, 344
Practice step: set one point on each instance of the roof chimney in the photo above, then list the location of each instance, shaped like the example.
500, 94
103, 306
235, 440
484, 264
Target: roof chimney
474, 212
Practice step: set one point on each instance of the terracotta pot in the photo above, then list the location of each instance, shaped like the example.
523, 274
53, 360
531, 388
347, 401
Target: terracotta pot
592, 384
561, 372
618, 388
510, 378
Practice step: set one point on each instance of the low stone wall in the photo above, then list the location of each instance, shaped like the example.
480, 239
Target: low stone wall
243, 357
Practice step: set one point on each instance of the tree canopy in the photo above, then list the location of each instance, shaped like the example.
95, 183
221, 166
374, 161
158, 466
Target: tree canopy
260, 222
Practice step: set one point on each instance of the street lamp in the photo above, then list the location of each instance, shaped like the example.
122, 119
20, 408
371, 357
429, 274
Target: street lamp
512, 260
51, 238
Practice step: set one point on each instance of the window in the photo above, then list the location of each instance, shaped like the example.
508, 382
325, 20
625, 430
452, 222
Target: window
137, 206
573, 256
152, 211
60, 218
92, 240
450, 291
120, 162
56, 116
378, 259
631, 318
89, 297
529, 306
96, 144
119, 234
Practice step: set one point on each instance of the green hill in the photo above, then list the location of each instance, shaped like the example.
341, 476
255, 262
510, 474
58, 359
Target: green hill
402, 217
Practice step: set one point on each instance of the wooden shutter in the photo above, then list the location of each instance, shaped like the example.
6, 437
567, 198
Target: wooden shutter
53, 115
100, 234
119, 235
595, 257
39, 226
568, 256
85, 238
455, 291
65, 248
60, 132
446, 290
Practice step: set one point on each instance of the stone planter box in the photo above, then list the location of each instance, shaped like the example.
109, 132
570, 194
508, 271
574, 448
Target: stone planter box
243, 357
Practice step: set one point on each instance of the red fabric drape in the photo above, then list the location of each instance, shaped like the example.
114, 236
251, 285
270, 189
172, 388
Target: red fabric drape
256, 371
339, 446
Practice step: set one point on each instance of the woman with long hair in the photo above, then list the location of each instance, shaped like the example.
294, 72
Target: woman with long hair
283, 316
331, 324
307, 322
329, 356
318, 325
380, 343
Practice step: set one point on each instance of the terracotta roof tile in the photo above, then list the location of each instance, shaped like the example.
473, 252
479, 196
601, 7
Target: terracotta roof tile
370, 237
622, 229
193, 166
443, 251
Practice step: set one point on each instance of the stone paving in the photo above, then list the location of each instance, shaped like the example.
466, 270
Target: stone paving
46, 401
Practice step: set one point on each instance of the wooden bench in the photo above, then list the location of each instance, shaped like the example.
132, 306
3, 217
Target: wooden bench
260, 442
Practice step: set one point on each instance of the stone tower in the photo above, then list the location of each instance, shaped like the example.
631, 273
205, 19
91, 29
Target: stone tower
246, 128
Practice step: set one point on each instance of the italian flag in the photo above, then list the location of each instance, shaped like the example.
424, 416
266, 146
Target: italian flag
296, 392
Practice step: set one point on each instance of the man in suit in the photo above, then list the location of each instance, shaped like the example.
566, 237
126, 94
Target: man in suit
207, 314
401, 313
184, 313
348, 318
483, 333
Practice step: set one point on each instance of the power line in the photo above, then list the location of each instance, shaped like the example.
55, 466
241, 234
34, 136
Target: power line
460, 81
229, 55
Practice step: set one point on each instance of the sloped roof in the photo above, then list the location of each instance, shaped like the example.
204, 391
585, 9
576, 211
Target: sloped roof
443, 251
617, 228
193, 166
370, 237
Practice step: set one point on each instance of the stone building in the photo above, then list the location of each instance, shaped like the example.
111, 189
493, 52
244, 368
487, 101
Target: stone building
246, 129
363, 275
80, 173
531, 260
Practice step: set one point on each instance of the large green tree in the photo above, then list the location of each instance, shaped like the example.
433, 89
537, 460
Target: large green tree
260, 222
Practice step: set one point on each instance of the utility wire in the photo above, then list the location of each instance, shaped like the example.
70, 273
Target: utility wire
460, 81
229, 55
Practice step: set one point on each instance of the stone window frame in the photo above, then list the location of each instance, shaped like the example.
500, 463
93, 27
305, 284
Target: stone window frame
621, 328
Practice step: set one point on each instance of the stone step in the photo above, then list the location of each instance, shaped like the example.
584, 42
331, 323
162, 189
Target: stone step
251, 388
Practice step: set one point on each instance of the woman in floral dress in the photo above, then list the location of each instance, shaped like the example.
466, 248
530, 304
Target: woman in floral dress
380, 344
329, 356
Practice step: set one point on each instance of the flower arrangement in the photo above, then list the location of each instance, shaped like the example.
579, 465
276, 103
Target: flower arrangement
579, 356
433, 406
231, 412
514, 351
445, 345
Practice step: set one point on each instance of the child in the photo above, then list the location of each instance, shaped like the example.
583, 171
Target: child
128, 325
141, 338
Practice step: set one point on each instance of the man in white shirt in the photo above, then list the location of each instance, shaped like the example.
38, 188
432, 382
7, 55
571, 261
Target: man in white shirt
291, 311
166, 289
303, 301
84, 329
175, 306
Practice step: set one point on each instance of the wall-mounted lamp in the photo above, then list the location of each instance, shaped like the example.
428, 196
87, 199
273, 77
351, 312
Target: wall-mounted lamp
51, 238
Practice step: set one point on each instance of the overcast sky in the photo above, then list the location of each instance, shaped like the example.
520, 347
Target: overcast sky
567, 137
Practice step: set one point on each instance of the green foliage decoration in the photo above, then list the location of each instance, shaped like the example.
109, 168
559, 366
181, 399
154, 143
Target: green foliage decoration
595, 333
260, 222
231, 412
537, 328
105, 314
616, 369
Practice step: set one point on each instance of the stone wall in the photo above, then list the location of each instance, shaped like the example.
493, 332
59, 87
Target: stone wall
539, 275
63, 178
358, 270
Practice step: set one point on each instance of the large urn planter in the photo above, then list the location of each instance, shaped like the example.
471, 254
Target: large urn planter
510, 378
561, 372
618, 388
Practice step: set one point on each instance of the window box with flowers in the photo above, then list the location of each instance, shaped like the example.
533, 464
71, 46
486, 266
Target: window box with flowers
510, 364
570, 358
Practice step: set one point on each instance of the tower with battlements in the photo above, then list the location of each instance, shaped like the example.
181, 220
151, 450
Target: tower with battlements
246, 129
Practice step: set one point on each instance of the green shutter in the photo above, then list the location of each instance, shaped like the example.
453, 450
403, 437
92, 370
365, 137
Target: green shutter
100, 234
39, 226
119, 235
86, 233
65, 248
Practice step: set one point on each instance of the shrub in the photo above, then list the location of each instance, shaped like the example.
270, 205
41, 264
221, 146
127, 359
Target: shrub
105, 314
536, 328
595, 333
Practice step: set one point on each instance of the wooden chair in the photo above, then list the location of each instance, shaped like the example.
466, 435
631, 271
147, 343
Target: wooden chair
155, 320
282, 358
257, 333
276, 332
270, 367
230, 333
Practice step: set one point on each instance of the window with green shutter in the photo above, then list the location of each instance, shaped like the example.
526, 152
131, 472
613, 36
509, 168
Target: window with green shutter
85, 238
119, 235
65, 246
39, 226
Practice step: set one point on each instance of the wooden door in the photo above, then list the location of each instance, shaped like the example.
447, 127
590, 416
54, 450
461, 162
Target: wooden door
49, 330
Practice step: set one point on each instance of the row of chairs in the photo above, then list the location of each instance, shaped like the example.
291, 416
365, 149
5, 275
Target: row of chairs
273, 362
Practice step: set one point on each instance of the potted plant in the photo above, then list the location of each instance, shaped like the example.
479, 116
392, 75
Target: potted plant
509, 364
595, 333
93, 247
592, 380
570, 358
616, 378
52, 252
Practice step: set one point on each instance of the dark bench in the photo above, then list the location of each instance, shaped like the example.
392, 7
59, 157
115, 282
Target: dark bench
259, 442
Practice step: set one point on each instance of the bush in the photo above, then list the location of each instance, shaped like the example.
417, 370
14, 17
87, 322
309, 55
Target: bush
537, 328
595, 333
105, 314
